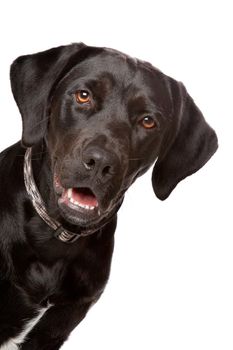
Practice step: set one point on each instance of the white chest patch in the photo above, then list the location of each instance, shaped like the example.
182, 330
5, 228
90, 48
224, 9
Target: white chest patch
13, 343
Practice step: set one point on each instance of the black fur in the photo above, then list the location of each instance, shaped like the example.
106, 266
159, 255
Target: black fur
101, 146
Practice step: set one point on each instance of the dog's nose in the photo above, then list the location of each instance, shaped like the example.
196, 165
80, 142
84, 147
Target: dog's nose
99, 161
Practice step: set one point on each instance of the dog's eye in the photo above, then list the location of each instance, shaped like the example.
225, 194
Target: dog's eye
148, 122
82, 96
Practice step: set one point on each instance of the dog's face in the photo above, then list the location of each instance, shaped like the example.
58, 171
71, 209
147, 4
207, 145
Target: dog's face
106, 118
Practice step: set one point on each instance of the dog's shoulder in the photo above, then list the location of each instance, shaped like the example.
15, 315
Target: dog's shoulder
8, 155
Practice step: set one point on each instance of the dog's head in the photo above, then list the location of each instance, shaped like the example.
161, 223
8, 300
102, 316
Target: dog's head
106, 118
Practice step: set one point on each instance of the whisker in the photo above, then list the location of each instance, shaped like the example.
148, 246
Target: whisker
39, 153
40, 122
135, 159
35, 158
20, 155
35, 154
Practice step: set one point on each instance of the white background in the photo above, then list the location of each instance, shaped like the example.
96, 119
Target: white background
171, 280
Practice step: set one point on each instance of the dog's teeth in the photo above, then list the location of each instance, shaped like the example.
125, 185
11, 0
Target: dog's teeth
83, 206
69, 192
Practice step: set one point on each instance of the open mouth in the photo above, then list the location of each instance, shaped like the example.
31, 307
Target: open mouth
82, 198
78, 204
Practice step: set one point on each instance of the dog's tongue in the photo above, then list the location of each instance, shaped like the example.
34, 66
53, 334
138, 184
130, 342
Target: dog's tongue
84, 196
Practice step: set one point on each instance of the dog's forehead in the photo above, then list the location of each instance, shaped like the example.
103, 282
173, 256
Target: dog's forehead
106, 62
116, 66
120, 74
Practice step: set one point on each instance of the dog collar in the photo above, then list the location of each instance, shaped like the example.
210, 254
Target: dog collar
59, 232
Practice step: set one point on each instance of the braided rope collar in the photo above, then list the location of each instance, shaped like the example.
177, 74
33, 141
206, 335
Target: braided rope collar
59, 232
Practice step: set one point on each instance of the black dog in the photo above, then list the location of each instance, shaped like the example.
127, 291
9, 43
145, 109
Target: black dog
94, 120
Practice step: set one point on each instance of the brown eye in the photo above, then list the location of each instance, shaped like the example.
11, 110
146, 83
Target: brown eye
148, 122
82, 96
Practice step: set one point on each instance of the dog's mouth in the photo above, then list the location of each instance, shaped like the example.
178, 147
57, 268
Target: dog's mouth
79, 205
79, 198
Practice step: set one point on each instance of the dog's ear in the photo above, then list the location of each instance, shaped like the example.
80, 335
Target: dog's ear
187, 146
32, 78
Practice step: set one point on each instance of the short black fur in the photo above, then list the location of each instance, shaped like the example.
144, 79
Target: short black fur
101, 146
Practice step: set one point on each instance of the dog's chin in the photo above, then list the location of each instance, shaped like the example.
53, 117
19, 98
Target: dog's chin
78, 213
80, 207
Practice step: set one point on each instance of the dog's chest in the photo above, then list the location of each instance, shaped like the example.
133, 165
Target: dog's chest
67, 280
47, 285
15, 342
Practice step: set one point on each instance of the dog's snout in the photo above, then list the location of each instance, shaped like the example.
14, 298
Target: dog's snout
99, 161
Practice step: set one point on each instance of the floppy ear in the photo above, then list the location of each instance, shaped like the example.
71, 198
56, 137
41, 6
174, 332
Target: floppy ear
32, 78
188, 145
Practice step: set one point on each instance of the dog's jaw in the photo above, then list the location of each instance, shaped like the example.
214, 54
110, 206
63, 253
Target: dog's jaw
80, 206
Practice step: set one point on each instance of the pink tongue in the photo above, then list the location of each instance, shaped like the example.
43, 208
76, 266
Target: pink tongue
85, 197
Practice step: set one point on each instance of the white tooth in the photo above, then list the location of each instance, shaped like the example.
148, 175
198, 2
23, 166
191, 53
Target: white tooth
87, 207
80, 205
69, 192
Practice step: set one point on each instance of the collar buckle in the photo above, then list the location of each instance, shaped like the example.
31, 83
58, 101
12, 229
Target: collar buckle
62, 235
